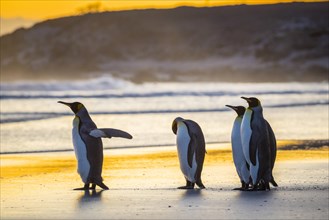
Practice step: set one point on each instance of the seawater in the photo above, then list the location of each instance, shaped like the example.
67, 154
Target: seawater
32, 120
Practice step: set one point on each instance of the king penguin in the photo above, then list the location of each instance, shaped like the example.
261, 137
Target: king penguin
88, 146
191, 150
239, 160
258, 144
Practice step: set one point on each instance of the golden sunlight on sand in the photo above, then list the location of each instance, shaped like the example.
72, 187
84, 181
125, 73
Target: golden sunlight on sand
15, 165
143, 185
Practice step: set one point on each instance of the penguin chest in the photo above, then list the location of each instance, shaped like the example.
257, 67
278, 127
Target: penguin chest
236, 140
237, 151
246, 133
183, 141
80, 150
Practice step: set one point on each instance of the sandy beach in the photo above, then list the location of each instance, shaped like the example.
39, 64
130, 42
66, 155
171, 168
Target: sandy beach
71, 66
143, 184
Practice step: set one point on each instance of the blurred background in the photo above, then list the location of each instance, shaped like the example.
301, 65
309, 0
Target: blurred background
232, 42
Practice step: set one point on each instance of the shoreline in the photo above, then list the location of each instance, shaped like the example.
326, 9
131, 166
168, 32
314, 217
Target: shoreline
289, 144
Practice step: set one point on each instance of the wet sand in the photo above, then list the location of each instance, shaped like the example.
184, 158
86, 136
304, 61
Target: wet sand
143, 184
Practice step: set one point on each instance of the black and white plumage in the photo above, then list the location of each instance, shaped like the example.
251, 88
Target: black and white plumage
239, 159
191, 150
88, 146
259, 145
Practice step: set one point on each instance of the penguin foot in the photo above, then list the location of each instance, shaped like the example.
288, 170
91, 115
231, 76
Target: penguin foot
102, 185
189, 185
256, 189
200, 184
86, 187
185, 187
260, 187
264, 185
82, 188
244, 187
93, 186
241, 189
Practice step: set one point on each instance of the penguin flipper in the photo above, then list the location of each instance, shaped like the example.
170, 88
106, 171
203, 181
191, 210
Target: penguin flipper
257, 140
199, 157
109, 133
272, 141
191, 150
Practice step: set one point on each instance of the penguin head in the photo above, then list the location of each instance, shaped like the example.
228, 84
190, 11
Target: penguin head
252, 101
238, 109
174, 124
75, 106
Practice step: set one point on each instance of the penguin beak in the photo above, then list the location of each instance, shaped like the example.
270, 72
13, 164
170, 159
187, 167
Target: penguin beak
65, 103
245, 98
235, 108
230, 106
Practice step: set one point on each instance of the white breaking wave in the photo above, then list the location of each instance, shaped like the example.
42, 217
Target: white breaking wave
101, 83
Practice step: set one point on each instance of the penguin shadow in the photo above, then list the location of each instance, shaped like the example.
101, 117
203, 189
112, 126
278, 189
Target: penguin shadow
247, 194
191, 193
90, 196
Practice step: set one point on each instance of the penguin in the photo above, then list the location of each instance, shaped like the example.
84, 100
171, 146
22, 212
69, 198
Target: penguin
191, 150
88, 146
239, 160
258, 144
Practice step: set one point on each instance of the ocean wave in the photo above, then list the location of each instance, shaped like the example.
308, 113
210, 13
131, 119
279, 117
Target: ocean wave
10, 117
148, 98
9, 94
109, 87
101, 83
